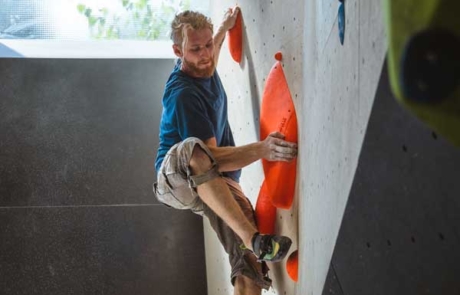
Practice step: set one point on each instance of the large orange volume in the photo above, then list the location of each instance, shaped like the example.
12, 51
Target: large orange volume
278, 114
235, 39
265, 212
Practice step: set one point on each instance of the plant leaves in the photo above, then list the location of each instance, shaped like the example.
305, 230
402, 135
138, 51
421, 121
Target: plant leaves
88, 12
81, 8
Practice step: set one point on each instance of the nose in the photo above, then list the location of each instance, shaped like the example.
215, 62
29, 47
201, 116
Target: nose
206, 52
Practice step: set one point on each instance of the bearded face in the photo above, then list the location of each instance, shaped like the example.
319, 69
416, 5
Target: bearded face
197, 53
203, 69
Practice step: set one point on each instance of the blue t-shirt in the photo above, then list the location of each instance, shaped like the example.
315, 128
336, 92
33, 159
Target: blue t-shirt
194, 107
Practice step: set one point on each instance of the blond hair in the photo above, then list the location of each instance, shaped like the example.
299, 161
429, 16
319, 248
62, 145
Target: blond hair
185, 20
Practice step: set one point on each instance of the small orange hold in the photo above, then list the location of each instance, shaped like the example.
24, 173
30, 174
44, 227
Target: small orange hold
235, 39
278, 56
292, 265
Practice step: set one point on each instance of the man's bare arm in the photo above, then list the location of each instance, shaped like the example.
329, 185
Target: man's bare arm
273, 148
227, 24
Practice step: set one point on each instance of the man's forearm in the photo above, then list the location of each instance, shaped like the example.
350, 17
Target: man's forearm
272, 148
219, 37
234, 158
227, 24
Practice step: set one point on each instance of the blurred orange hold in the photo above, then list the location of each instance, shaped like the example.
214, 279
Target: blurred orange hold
292, 265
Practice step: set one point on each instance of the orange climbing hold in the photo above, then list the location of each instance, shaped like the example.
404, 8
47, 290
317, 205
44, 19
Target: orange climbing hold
278, 114
265, 212
292, 265
235, 39
278, 56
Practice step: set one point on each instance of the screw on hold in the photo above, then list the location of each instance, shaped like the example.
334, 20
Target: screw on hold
278, 56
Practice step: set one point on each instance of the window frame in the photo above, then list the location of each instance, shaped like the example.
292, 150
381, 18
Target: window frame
35, 48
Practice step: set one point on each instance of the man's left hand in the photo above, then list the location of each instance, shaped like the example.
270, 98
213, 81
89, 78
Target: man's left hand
230, 18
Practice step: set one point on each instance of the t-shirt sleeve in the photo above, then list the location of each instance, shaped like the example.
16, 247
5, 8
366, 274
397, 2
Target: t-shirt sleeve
192, 117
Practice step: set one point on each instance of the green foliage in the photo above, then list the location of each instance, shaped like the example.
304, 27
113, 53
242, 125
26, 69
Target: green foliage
140, 20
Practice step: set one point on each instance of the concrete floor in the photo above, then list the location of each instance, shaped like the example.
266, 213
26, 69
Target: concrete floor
333, 88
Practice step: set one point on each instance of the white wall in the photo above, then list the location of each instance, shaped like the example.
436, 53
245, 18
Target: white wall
339, 90
333, 88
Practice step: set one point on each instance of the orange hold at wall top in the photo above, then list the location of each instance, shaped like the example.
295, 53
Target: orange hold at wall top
235, 39
278, 114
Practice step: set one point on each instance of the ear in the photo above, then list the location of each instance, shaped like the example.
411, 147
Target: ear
177, 50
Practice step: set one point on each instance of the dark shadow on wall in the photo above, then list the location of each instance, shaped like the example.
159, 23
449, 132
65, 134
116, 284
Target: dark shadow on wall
77, 211
253, 92
401, 229
79, 132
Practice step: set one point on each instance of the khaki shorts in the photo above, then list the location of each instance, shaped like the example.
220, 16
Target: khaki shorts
176, 188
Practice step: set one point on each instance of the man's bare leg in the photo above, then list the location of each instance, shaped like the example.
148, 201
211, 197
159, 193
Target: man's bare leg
216, 194
246, 286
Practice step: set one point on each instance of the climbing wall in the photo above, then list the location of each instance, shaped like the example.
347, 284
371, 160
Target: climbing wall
268, 27
340, 83
400, 231
333, 87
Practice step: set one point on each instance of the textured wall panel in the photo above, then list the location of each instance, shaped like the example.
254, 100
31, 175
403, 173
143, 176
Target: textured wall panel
339, 90
269, 26
79, 131
101, 250
77, 149
333, 87
401, 228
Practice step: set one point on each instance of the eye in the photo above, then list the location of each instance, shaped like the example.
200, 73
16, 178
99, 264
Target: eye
195, 49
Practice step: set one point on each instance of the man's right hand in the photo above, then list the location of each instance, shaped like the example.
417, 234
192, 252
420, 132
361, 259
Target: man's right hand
277, 149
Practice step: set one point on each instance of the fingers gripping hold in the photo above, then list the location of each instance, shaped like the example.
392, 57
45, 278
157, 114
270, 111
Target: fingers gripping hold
281, 150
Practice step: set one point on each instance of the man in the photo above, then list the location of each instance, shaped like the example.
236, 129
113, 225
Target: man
198, 165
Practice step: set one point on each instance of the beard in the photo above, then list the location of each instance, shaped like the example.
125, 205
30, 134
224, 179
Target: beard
195, 70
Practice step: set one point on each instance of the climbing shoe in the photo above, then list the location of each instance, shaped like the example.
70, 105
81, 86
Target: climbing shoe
270, 248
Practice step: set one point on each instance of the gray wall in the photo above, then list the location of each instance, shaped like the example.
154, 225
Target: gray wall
401, 228
77, 212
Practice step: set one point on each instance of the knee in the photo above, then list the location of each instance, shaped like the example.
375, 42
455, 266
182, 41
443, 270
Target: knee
200, 161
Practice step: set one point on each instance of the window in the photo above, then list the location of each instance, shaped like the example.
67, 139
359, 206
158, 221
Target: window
90, 28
